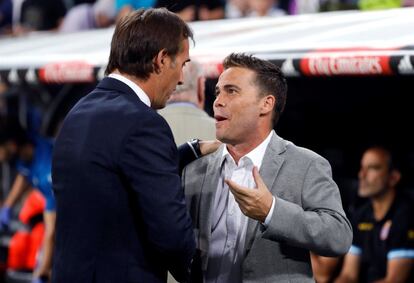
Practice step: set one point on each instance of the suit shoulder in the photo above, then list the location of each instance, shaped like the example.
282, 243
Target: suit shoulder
302, 153
202, 161
135, 113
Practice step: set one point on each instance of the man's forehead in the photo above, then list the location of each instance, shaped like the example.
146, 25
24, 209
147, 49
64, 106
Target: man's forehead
374, 158
184, 48
235, 77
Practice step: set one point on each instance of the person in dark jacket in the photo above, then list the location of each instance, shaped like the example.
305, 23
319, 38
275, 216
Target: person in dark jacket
121, 214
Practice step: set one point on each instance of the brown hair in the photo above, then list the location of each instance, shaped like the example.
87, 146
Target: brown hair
269, 78
140, 36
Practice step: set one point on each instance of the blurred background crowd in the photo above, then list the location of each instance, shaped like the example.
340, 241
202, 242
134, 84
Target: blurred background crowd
20, 16
30, 116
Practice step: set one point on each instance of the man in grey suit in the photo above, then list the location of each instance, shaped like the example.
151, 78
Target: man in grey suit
259, 204
184, 112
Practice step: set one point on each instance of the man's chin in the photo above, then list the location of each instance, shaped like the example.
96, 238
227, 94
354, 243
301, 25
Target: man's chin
158, 106
366, 193
222, 138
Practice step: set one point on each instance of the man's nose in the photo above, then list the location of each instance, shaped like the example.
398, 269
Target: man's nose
181, 79
219, 102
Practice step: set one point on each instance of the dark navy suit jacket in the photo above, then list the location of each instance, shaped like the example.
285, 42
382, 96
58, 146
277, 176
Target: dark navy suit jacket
121, 214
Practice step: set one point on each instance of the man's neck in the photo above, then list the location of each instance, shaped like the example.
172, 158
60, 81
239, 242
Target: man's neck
237, 151
382, 203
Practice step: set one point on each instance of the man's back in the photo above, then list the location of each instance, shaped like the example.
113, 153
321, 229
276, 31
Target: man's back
120, 214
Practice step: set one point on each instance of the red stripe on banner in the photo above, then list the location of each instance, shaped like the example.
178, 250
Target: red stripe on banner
345, 65
67, 72
347, 61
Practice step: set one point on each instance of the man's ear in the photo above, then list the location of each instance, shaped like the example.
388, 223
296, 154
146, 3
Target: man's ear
268, 103
395, 177
160, 60
201, 89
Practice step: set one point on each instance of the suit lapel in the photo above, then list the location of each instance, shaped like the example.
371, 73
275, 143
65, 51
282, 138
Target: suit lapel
208, 192
272, 162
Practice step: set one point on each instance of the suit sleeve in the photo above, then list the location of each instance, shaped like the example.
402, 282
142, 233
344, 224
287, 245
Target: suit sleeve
319, 224
149, 162
186, 156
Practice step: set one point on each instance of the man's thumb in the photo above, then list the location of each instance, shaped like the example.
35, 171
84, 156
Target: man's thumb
257, 178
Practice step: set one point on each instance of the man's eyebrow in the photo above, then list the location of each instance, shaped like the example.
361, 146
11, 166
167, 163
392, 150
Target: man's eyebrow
227, 87
231, 86
374, 166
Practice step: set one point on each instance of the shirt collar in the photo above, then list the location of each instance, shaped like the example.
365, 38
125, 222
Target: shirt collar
256, 155
138, 91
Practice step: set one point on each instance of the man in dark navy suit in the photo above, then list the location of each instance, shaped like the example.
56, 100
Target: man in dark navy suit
121, 215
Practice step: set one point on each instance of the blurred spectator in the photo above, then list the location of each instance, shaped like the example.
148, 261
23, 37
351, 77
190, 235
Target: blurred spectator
89, 16
383, 245
335, 5
124, 7
195, 10
11, 138
378, 4
39, 15
6, 12
265, 8
34, 170
184, 112
72, 3
3, 100
236, 8
297, 7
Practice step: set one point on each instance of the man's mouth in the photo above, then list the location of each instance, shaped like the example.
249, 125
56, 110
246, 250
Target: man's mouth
219, 118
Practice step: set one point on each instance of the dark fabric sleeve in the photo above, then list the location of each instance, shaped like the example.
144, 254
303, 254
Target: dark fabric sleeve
355, 219
186, 155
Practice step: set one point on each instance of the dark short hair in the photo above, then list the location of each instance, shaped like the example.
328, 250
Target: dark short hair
393, 160
269, 78
140, 36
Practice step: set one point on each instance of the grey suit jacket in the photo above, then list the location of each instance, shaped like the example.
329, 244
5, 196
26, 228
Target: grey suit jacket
308, 213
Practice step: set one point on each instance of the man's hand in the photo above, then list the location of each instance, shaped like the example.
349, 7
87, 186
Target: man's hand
253, 202
207, 147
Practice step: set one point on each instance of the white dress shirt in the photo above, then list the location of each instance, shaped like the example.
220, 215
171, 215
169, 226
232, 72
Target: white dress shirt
138, 91
229, 226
